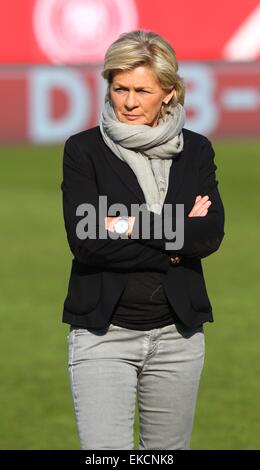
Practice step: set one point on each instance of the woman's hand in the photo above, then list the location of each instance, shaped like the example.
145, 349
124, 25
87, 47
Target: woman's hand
110, 221
200, 208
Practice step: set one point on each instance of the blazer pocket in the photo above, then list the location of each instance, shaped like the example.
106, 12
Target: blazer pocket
84, 292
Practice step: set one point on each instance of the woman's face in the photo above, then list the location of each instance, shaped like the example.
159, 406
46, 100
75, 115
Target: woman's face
137, 96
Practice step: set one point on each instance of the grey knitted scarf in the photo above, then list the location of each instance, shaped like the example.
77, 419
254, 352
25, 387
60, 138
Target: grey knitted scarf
147, 150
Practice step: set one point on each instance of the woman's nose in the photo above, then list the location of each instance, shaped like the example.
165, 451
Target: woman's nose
131, 101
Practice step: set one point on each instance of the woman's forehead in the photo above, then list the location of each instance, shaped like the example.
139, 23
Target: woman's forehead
139, 76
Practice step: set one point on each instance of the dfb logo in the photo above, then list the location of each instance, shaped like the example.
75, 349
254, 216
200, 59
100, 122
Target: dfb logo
80, 31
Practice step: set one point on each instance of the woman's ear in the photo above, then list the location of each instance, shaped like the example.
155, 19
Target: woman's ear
168, 97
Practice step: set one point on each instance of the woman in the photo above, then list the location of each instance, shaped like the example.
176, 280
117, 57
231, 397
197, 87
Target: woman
136, 305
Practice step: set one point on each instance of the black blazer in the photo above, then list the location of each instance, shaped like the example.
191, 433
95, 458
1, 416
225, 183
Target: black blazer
100, 266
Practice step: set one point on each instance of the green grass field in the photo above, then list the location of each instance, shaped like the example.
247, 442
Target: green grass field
36, 404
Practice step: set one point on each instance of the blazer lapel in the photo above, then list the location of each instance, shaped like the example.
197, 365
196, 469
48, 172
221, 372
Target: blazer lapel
176, 176
125, 174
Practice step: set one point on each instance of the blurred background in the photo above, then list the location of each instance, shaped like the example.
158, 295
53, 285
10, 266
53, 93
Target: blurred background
51, 53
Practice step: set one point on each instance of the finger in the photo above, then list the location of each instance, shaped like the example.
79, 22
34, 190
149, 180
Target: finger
203, 213
203, 210
204, 207
198, 198
202, 203
204, 199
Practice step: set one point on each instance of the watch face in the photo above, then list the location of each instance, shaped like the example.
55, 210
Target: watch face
121, 226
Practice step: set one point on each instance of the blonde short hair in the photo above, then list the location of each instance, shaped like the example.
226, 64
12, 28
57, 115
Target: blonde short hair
141, 47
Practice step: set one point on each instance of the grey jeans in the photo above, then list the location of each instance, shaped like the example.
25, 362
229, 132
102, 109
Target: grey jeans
110, 368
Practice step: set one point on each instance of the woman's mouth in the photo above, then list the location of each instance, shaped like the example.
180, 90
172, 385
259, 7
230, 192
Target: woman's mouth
131, 117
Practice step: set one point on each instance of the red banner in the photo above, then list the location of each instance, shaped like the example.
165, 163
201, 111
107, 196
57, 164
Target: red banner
79, 31
47, 104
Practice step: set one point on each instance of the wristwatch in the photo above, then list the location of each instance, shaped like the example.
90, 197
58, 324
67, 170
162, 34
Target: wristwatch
121, 225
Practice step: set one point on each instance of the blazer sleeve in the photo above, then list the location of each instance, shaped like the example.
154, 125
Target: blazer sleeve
122, 254
202, 235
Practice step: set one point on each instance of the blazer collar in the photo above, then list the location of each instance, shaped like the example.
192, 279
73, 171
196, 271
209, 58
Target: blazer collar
128, 177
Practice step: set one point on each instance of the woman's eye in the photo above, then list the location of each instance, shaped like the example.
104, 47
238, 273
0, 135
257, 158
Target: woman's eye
123, 90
